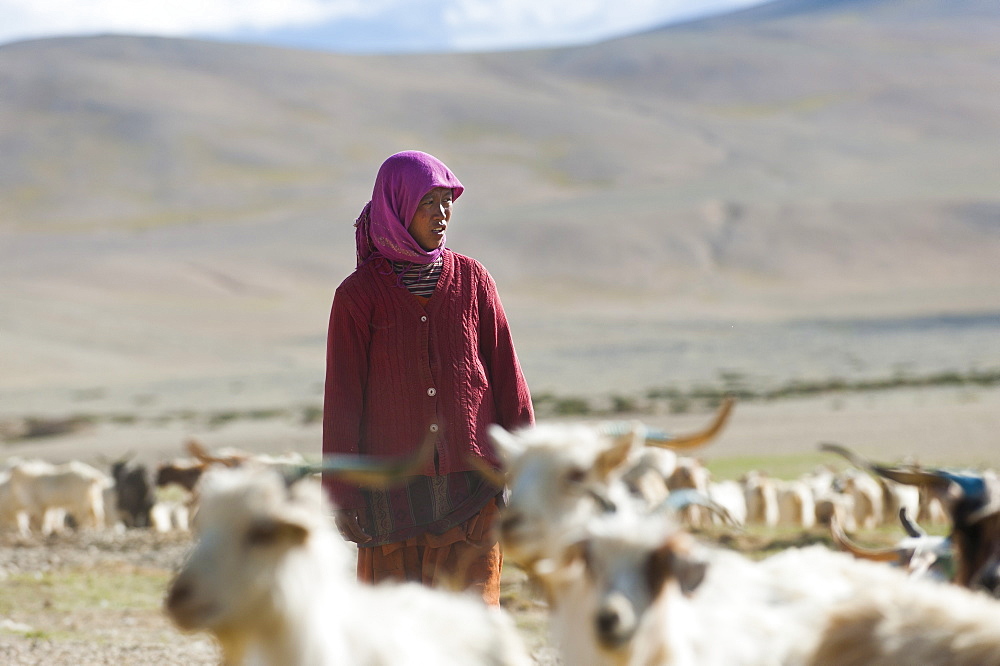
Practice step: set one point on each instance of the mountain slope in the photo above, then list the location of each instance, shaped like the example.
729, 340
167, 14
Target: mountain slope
799, 159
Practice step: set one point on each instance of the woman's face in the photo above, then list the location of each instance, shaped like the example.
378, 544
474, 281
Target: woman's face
428, 224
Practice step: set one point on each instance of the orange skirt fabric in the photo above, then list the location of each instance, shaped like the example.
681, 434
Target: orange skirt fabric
467, 557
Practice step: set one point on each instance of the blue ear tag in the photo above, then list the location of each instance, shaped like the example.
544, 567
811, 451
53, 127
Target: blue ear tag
972, 484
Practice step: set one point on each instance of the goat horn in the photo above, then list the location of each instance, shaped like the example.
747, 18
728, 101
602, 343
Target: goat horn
911, 527
366, 471
910, 476
603, 500
930, 479
685, 497
695, 439
858, 461
199, 452
873, 554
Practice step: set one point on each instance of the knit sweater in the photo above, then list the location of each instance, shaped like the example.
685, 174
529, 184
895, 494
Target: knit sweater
398, 371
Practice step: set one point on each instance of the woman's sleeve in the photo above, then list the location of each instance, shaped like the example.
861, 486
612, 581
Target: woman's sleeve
510, 390
343, 396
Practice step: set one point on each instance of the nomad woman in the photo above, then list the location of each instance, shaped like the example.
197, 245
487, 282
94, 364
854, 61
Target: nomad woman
419, 347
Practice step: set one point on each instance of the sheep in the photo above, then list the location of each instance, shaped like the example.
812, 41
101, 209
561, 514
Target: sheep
50, 492
644, 591
270, 578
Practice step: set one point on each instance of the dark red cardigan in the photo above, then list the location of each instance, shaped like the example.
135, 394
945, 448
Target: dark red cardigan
397, 370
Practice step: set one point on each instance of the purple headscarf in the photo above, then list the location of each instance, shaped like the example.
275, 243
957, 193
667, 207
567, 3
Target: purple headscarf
402, 181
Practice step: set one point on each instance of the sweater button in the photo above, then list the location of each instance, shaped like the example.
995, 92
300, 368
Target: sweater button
434, 427
432, 392
423, 318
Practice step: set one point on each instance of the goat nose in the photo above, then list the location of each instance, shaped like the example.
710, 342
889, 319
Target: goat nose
178, 594
615, 621
607, 621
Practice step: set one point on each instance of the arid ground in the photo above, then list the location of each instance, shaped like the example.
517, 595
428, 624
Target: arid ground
94, 598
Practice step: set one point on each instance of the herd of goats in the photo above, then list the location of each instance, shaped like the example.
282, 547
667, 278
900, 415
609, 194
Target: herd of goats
606, 518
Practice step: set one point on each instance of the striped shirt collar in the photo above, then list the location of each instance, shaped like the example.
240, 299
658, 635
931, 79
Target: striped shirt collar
419, 279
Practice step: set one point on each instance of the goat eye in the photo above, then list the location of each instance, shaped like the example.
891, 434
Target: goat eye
261, 534
576, 476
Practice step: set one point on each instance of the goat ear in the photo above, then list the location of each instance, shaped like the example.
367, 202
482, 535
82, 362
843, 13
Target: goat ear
616, 454
505, 443
576, 554
690, 571
276, 531
676, 559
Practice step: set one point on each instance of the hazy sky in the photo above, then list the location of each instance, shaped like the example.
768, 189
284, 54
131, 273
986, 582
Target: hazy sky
357, 25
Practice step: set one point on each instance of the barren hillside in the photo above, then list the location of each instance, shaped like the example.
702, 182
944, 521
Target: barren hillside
175, 210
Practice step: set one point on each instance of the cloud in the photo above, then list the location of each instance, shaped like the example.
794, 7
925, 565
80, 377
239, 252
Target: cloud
412, 24
569, 21
21, 19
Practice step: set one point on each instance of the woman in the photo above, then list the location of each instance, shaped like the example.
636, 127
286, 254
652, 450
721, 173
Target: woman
419, 347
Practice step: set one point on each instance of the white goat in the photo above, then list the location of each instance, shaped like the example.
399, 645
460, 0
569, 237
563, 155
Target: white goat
830, 503
559, 476
897, 497
646, 473
796, 505
761, 496
691, 474
643, 592
170, 515
10, 517
728, 495
48, 492
269, 577
866, 493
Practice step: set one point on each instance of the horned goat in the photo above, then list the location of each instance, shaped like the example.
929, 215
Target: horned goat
642, 591
918, 554
269, 577
560, 474
972, 501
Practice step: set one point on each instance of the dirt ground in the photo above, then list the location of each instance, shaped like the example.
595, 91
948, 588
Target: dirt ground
936, 425
82, 599
95, 598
